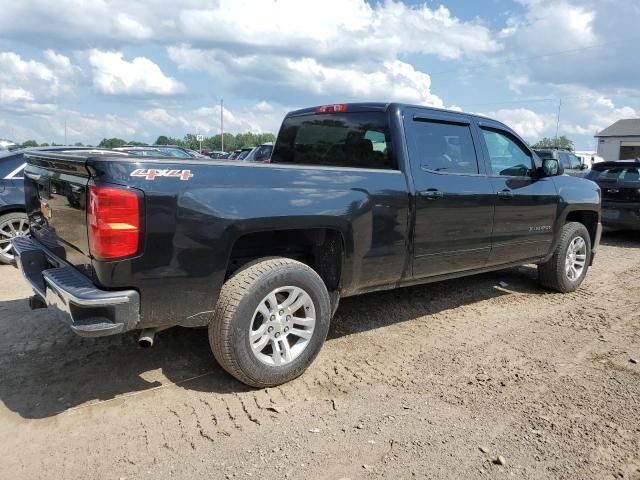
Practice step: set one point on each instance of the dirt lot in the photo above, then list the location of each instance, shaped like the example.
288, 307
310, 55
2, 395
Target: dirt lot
434, 381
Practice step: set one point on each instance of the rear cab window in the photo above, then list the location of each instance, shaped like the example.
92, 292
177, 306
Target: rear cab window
344, 139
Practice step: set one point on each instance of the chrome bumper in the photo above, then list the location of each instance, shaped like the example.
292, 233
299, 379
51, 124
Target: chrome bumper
90, 311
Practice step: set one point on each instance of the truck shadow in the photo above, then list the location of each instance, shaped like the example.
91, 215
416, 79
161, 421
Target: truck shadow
45, 370
621, 238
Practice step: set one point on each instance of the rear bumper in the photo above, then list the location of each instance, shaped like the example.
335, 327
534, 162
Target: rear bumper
626, 216
90, 311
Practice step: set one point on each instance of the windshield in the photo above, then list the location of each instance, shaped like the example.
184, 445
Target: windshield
341, 139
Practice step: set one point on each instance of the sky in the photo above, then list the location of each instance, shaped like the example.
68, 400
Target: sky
140, 69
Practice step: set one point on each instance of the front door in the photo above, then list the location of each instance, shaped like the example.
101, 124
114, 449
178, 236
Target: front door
526, 206
454, 199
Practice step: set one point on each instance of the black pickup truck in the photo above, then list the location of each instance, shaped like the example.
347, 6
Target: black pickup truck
358, 198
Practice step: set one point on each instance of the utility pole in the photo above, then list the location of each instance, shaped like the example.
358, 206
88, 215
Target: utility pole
222, 124
558, 120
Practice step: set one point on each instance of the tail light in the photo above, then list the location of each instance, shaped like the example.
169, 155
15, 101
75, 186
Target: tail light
113, 218
335, 108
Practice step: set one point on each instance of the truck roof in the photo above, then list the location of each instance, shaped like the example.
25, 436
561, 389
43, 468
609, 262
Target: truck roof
384, 106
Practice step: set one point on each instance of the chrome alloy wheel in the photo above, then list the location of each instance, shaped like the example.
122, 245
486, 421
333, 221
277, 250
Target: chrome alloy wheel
282, 326
576, 258
14, 227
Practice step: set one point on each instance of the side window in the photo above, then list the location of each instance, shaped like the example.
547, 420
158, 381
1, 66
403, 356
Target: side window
506, 155
564, 160
574, 161
443, 147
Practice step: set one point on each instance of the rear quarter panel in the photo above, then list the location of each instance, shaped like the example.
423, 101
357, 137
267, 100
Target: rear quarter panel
192, 225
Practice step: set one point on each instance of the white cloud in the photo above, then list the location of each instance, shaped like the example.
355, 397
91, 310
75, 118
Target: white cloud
337, 29
13, 95
206, 120
113, 75
132, 28
529, 124
29, 85
391, 80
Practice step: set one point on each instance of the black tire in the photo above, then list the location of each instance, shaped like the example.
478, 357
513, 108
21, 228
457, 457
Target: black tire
13, 217
552, 274
229, 328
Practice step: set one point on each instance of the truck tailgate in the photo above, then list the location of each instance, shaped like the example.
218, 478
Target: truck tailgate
55, 196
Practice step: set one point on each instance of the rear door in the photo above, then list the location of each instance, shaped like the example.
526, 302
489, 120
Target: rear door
526, 206
454, 198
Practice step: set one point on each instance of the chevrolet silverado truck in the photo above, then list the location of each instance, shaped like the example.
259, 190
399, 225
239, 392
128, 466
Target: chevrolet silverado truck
357, 198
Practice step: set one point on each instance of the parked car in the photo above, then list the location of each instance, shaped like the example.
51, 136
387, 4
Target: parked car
261, 254
218, 154
13, 217
159, 150
8, 145
261, 153
234, 155
620, 185
243, 153
571, 163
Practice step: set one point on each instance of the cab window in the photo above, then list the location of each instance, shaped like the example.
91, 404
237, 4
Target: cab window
506, 156
442, 147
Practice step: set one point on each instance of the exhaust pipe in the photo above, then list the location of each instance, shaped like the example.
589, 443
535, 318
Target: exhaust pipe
146, 337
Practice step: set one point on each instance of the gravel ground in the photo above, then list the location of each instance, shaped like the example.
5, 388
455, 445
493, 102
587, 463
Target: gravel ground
461, 379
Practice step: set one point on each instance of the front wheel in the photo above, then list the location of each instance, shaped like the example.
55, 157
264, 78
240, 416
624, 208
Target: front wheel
270, 322
567, 268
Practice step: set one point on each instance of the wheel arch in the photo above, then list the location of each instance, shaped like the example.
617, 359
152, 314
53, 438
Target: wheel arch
323, 248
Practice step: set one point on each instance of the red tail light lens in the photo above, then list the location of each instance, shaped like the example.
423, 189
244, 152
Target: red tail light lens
335, 108
113, 217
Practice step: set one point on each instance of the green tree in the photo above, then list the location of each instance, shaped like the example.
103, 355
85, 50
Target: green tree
162, 140
135, 142
30, 143
78, 144
111, 143
560, 142
44, 144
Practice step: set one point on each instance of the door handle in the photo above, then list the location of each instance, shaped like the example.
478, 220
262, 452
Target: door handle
431, 194
505, 194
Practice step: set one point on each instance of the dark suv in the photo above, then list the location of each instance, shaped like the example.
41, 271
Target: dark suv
571, 163
620, 185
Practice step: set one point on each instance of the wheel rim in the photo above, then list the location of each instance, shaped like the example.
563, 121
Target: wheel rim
576, 258
14, 227
282, 326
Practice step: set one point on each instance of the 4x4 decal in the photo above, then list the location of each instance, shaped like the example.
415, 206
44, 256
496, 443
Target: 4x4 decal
152, 173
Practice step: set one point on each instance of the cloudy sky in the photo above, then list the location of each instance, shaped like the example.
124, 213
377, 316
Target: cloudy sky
139, 69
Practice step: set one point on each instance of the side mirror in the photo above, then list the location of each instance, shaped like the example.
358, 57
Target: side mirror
551, 167
584, 166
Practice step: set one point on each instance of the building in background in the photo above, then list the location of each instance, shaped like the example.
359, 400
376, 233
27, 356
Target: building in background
620, 141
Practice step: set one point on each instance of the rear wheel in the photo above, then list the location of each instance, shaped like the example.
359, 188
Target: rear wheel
567, 268
271, 320
11, 225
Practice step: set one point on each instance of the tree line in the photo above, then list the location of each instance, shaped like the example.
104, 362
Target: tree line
246, 140
190, 140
